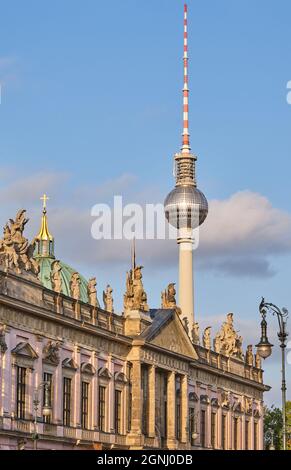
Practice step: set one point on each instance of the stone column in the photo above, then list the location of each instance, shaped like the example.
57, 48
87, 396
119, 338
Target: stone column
94, 392
136, 413
171, 410
184, 409
152, 401
111, 395
76, 389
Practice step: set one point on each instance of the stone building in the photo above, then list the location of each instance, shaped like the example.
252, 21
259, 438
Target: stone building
132, 381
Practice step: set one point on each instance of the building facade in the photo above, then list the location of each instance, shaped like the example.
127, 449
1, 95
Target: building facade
139, 380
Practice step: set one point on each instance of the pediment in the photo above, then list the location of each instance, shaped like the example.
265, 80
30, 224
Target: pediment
104, 373
120, 377
173, 337
87, 368
69, 363
24, 349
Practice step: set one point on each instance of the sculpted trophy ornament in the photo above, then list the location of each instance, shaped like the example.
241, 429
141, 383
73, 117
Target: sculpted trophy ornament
195, 333
225, 399
92, 292
108, 299
75, 286
51, 352
56, 276
227, 341
16, 253
250, 355
206, 339
135, 297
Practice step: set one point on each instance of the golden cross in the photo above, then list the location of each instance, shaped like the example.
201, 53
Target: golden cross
44, 198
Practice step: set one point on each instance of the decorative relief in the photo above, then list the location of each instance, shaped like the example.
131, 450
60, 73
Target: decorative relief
16, 253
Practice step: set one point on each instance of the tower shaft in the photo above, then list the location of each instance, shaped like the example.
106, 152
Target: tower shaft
186, 284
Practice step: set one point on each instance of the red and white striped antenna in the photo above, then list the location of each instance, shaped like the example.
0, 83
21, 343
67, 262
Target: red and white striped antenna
185, 134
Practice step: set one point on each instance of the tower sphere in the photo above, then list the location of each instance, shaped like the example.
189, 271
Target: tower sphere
186, 207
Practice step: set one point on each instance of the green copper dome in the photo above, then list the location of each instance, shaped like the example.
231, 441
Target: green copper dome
45, 264
45, 256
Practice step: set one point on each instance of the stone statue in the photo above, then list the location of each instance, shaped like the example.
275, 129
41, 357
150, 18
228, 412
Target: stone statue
92, 292
75, 286
135, 297
195, 333
56, 277
51, 352
206, 338
186, 324
217, 343
3, 345
108, 299
15, 251
227, 340
250, 355
258, 361
169, 297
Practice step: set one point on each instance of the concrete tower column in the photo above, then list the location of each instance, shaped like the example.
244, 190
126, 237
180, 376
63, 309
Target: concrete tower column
186, 281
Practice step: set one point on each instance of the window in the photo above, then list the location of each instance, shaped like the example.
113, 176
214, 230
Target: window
102, 404
129, 405
84, 404
144, 387
20, 392
203, 428
178, 407
213, 430
192, 425
67, 385
235, 433
224, 432
47, 378
247, 438
255, 436
117, 412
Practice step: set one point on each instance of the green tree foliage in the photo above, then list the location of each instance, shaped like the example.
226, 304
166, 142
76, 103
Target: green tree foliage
273, 422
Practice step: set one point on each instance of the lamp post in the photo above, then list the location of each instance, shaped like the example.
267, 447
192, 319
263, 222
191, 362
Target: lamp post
264, 348
46, 409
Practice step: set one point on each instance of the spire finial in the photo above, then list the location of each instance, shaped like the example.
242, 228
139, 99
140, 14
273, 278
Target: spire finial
133, 256
44, 240
185, 134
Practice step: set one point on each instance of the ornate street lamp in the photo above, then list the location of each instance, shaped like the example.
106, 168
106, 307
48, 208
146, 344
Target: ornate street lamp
46, 409
264, 348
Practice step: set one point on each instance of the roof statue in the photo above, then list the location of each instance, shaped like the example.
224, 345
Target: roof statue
75, 286
169, 297
135, 297
250, 355
108, 299
92, 292
195, 333
56, 277
258, 361
206, 338
227, 340
16, 253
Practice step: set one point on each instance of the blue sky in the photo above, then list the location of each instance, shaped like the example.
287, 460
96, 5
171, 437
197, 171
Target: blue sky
91, 107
